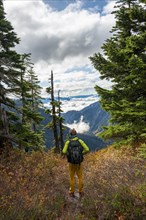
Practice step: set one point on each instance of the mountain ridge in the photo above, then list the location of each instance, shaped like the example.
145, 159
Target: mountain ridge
91, 115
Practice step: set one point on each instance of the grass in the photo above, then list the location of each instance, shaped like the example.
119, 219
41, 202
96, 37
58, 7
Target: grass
35, 186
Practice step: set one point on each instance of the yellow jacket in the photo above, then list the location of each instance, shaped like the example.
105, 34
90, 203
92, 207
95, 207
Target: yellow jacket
85, 147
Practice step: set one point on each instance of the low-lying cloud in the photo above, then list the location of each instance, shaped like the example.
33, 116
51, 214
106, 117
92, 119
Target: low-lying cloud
80, 127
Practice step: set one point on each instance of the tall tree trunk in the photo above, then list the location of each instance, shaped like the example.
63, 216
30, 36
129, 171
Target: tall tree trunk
33, 106
60, 124
57, 150
23, 98
5, 140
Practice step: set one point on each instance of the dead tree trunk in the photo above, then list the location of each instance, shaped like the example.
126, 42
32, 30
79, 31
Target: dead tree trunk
60, 123
57, 150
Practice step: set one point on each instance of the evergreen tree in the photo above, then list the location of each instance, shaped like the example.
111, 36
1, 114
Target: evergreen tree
124, 63
10, 65
35, 98
30, 135
20, 125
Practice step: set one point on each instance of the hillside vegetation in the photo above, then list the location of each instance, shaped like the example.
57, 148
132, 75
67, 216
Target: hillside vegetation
35, 186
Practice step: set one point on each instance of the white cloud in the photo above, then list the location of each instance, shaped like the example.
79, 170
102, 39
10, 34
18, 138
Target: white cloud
74, 103
74, 6
109, 7
80, 127
62, 41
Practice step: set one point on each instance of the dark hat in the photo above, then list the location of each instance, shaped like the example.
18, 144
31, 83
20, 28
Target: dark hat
73, 132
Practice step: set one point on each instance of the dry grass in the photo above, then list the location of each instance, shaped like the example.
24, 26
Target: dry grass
35, 187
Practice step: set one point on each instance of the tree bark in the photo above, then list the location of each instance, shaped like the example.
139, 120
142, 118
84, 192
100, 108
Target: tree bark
60, 124
57, 150
5, 139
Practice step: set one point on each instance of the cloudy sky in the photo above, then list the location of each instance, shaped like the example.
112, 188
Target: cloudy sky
61, 36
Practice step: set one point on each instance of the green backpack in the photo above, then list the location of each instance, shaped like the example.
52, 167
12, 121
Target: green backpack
75, 152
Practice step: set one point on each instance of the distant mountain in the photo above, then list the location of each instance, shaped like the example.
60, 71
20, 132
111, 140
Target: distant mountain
93, 142
93, 114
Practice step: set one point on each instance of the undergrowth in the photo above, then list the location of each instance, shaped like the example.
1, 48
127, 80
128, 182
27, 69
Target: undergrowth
35, 186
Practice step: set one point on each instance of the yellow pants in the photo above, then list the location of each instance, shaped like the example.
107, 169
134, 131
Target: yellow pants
75, 169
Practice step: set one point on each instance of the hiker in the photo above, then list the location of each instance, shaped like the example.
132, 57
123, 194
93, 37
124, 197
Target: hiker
74, 148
